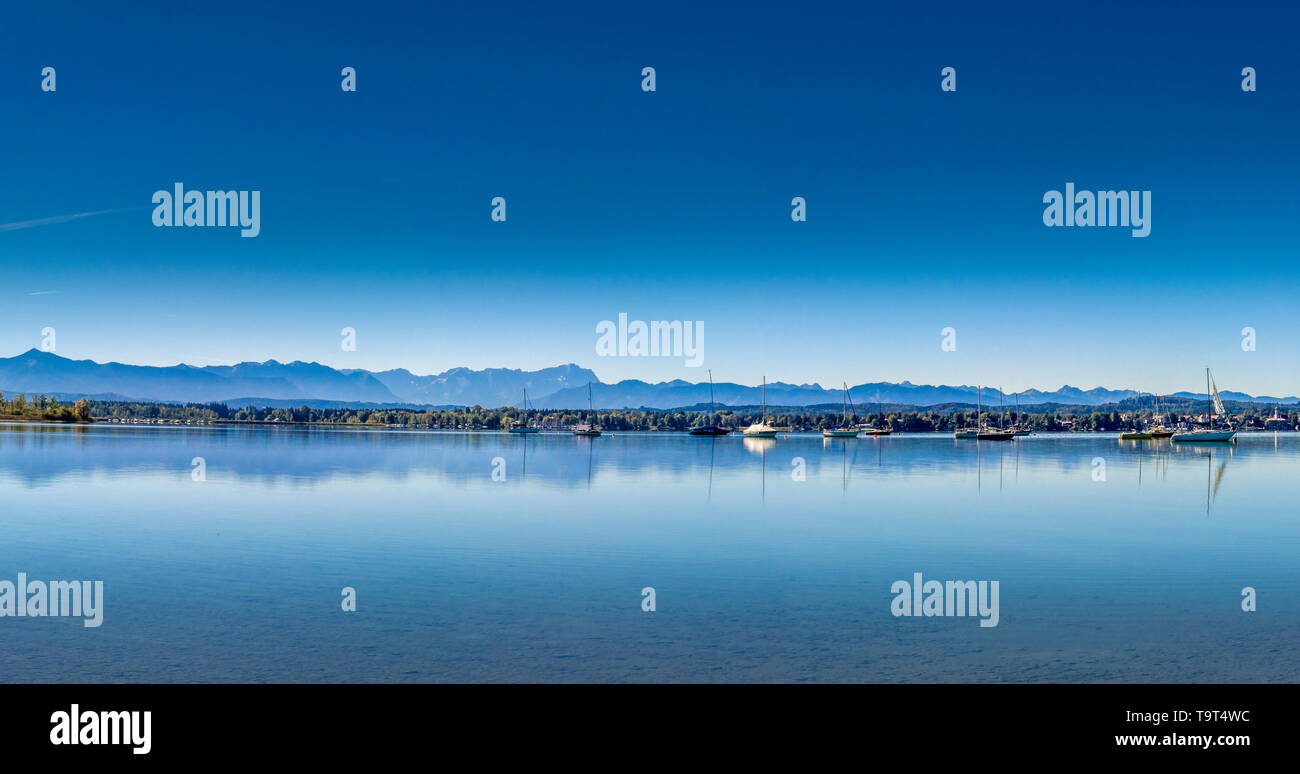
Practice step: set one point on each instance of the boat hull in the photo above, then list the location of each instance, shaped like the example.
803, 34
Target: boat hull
1135, 436
996, 436
966, 434
523, 430
710, 431
759, 433
839, 433
875, 431
1206, 436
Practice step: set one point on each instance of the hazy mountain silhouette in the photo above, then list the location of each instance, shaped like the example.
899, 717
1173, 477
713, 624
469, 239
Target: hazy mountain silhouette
492, 387
564, 386
634, 393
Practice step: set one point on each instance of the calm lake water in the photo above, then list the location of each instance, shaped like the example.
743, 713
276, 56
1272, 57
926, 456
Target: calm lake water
758, 576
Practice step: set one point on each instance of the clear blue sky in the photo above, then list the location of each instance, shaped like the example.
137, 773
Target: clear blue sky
924, 207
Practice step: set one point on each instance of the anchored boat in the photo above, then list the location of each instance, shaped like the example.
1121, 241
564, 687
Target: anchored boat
588, 430
761, 429
1160, 430
1136, 433
842, 430
710, 429
522, 427
872, 429
1018, 429
996, 434
1209, 435
972, 432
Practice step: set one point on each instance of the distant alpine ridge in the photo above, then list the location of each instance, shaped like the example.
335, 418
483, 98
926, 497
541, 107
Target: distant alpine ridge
562, 387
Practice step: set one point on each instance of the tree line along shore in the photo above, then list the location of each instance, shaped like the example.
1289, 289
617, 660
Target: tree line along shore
43, 408
1058, 419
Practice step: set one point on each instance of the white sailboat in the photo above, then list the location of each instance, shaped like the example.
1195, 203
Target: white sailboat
761, 429
842, 430
1215, 407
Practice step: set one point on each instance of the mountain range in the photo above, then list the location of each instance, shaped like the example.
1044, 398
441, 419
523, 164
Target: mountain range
274, 383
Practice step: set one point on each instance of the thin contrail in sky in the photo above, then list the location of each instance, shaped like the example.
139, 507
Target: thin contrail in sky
18, 225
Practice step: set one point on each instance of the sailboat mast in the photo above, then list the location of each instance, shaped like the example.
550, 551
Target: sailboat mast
1209, 400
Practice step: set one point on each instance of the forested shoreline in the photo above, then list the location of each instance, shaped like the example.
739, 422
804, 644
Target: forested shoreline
1084, 419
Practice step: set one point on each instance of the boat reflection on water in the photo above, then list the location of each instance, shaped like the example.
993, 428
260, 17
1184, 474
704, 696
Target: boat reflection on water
1216, 464
39, 454
842, 443
760, 446
585, 440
